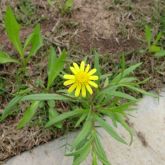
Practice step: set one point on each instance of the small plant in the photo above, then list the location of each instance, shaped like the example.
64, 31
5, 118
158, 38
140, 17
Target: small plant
89, 107
108, 100
153, 45
65, 6
26, 51
42, 100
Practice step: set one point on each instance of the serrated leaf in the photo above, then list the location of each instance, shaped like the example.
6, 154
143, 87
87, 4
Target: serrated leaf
110, 130
13, 29
28, 115
5, 58
55, 65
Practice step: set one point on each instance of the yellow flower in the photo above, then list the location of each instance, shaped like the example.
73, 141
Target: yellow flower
81, 80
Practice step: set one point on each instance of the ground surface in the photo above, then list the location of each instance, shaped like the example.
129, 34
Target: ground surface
147, 148
110, 27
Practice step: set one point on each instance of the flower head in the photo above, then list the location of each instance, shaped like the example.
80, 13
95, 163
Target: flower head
81, 80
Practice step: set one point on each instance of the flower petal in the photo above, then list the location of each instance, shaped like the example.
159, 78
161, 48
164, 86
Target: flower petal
92, 72
72, 88
69, 82
78, 89
87, 68
73, 70
82, 66
93, 78
93, 84
89, 89
76, 67
83, 91
68, 76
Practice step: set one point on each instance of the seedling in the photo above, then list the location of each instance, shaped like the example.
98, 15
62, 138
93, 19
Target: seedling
25, 51
153, 45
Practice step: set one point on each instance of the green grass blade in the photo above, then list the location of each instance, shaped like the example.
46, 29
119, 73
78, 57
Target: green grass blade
5, 58
160, 54
64, 116
10, 107
100, 151
54, 114
122, 95
148, 35
35, 40
82, 157
55, 65
85, 131
126, 72
110, 130
30, 112
44, 97
120, 119
81, 119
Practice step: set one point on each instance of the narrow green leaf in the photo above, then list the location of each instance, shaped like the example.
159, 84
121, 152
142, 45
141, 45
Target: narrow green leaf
110, 130
5, 58
154, 49
100, 151
10, 107
81, 150
64, 116
126, 72
35, 40
120, 119
81, 119
120, 108
13, 29
140, 90
122, 95
85, 131
158, 37
44, 97
160, 54
55, 65
68, 5
82, 157
127, 80
54, 114
148, 35
30, 112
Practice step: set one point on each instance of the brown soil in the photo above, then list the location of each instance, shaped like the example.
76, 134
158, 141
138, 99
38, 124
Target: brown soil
110, 29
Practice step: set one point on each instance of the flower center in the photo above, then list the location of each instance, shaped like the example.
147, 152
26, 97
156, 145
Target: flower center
82, 77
